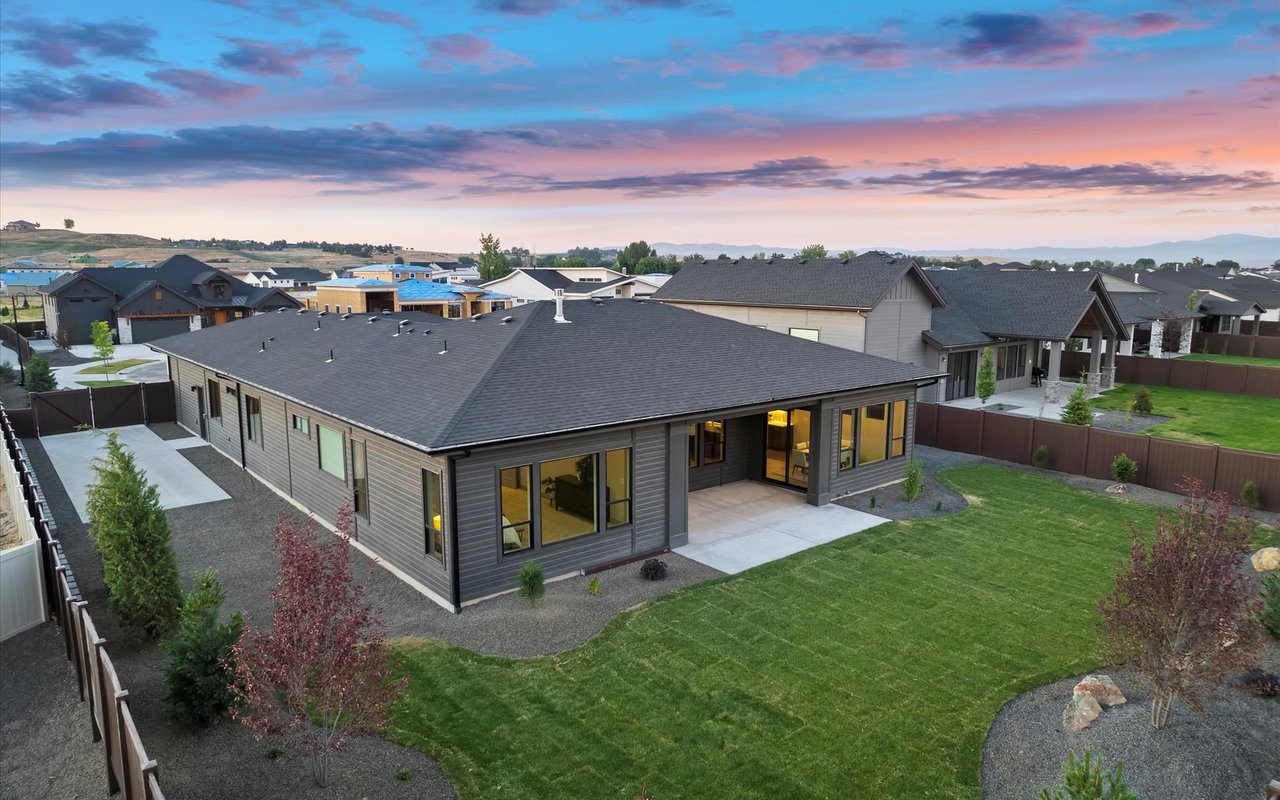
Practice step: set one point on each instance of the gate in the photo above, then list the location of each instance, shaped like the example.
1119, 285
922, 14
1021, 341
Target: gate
67, 410
61, 411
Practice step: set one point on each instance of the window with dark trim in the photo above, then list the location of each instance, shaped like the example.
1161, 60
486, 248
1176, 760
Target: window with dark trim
873, 433
617, 487
570, 504
302, 425
215, 399
898, 437
329, 447
433, 514
1012, 362
713, 441
517, 508
360, 477
159, 294
253, 418
848, 438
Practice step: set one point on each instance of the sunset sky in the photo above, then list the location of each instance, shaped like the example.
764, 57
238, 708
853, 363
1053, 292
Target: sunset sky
555, 123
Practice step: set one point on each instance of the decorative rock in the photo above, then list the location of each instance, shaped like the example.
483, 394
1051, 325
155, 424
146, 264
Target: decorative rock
1103, 689
1266, 559
1081, 711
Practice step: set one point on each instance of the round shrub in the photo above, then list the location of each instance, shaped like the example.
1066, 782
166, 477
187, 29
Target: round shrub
532, 587
1124, 469
913, 484
1141, 401
1249, 495
653, 569
1040, 458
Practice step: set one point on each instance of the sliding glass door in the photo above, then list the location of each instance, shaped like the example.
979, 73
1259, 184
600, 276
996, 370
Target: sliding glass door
786, 446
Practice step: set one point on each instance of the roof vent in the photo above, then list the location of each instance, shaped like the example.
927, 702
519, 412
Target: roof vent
280, 309
428, 330
506, 320
803, 261
640, 299
768, 261
597, 301
329, 360
704, 261
386, 311
263, 349
559, 317
735, 261
844, 261
446, 348
371, 319
322, 313
301, 311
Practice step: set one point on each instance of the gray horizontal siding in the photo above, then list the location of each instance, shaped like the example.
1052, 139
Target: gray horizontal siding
743, 455
861, 478
482, 566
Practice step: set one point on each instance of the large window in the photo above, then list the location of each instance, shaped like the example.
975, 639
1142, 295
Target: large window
253, 417
706, 442
569, 502
433, 514
215, 399
517, 511
848, 438
898, 444
1012, 362
804, 333
360, 477
617, 487
331, 460
873, 433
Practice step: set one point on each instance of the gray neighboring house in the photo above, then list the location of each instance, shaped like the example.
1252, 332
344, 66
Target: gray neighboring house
875, 303
469, 447
1018, 314
179, 294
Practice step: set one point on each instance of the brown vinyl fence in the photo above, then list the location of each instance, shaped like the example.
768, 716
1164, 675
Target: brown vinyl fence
67, 410
1181, 374
16, 341
1081, 450
1236, 344
129, 769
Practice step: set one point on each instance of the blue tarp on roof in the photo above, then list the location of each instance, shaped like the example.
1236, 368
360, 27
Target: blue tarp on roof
358, 282
429, 290
32, 277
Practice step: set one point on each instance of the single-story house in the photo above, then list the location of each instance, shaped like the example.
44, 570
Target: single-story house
1230, 300
371, 295
144, 303
875, 303
21, 226
1147, 310
578, 283
569, 434
287, 278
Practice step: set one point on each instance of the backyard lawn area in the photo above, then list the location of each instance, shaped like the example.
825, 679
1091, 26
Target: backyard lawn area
115, 366
105, 383
869, 667
1250, 361
1231, 420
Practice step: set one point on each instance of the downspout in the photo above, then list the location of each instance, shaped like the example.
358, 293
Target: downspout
456, 588
244, 464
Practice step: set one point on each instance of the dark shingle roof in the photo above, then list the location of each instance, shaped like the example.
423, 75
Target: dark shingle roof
1138, 307
549, 278
180, 274
307, 274
620, 361
814, 283
1026, 304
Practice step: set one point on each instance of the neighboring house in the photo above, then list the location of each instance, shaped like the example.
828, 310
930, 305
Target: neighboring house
1226, 297
1016, 314
875, 303
468, 448
21, 226
28, 281
287, 278
579, 283
85, 258
394, 272
1147, 310
178, 294
369, 295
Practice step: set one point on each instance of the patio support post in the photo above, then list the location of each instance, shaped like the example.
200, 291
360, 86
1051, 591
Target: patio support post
1126, 347
820, 453
1055, 361
677, 485
1157, 338
1184, 343
1108, 377
1094, 379
1257, 324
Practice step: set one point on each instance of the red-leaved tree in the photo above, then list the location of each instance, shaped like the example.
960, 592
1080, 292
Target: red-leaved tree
1183, 610
321, 675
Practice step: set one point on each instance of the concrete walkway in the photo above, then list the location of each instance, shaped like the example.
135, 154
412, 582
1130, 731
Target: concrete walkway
745, 524
180, 483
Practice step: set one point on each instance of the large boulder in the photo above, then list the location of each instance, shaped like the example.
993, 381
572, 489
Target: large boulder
1103, 689
1266, 559
1082, 710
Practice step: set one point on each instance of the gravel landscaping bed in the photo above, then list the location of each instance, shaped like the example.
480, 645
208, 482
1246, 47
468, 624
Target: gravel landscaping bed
170, 431
1230, 754
1112, 420
892, 505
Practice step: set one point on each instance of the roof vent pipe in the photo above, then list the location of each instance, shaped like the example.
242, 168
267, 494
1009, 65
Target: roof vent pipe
559, 317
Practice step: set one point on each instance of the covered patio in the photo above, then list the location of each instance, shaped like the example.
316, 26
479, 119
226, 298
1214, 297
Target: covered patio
744, 524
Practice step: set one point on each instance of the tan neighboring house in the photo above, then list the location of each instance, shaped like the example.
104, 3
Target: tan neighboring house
369, 295
578, 283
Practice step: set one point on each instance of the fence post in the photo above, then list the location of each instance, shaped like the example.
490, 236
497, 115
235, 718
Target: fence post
93, 418
1146, 461
1213, 482
1088, 438
118, 745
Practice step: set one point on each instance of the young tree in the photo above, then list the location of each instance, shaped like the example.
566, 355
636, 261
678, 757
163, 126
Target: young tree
200, 671
649, 264
39, 374
631, 255
321, 675
68, 223
1076, 411
399, 260
1183, 610
849, 254
812, 251
986, 385
104, 347
131, 533
493, 264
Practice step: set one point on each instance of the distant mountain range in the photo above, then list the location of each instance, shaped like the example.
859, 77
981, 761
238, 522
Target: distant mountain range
1249, 251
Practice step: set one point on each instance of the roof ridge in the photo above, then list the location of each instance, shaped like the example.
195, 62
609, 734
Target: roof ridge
443, 436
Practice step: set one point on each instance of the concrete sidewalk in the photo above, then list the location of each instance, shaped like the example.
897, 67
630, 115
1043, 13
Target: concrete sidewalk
180, 483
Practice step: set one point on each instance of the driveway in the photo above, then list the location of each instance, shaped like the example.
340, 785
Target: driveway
180, 482
745, 524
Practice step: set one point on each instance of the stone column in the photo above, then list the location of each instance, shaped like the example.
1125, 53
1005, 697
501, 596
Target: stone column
1157, 338
1108, 378
1184, 343
1055, 361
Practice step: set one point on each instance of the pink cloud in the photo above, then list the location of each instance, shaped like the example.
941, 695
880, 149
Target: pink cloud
446, 52
205, 85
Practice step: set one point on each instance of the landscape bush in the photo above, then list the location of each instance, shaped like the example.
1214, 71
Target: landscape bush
1141, 401
986, 384
653, 569
1124, 469
201, 670
913, 484
39, 374
1085, 780
532, 585
8, 374
1077, 410
1271, 604
593, 587
1040, 457
130, 530
1249, 497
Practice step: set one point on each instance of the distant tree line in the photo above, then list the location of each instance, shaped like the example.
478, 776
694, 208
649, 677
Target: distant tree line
358, 250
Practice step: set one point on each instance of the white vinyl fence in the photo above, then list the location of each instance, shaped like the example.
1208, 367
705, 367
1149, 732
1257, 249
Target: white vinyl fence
22, 597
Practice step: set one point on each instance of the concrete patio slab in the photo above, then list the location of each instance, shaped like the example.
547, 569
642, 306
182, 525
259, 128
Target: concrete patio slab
745, 524
180, 483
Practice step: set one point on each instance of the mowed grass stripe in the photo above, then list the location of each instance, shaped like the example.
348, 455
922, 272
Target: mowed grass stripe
875, 662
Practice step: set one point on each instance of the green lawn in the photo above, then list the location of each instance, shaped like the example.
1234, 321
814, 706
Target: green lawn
1250, 361
1231, 420
115, 366
102, 384
870, 667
